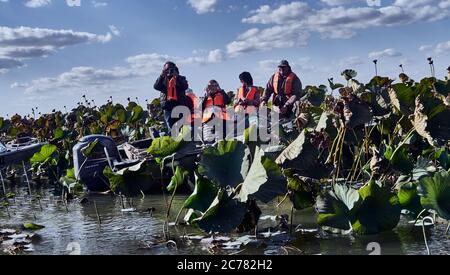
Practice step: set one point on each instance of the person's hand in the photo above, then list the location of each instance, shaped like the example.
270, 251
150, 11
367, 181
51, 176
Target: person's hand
263, 104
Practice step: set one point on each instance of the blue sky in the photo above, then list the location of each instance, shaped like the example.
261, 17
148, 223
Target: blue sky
51, 54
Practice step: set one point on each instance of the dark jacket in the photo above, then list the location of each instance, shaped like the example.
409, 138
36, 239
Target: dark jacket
182, 85
282, 100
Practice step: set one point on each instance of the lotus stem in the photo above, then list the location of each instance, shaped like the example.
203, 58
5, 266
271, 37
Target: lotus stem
96, 212
3, 183
448, 228
292, 220
40, 204
283, 200
26, 177
424, 233
7, 211
121, 201
178, 215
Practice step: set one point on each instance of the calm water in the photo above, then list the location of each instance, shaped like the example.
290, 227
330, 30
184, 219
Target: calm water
139, 232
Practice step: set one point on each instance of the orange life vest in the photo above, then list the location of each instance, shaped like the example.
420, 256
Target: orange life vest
172, 89
195, 104
288, 86
215, 106
250, 96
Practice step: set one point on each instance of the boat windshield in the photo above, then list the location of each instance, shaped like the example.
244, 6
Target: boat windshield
2, 148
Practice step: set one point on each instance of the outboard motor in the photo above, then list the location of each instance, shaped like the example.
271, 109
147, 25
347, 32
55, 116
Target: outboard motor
90, 170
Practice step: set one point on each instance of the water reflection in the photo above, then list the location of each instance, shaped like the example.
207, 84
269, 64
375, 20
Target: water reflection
138, 232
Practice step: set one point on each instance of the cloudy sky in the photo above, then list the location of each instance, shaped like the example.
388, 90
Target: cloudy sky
54, 51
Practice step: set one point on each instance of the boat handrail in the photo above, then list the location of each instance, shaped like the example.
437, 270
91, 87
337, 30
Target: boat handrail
3, 148
14, 144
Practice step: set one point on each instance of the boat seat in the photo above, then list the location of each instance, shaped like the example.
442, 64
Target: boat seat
134, 153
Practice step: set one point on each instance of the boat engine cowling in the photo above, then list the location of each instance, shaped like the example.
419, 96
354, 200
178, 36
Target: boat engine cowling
89, 170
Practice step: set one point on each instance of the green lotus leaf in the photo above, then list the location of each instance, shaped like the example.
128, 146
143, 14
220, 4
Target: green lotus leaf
403, 98
226, 164
358, 114
431, 120
132, 179
58, 134
379, 210
135, 114
349, 74
48, 154
224, 215
442, 87
336, 208
315, 95
204, 194
163, 146
327, 123
32, 226
409, 199
89, 148
399, 158
264, 181
178, 179
300, 155
435, 193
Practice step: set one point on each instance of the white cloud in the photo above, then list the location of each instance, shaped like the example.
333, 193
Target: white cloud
38, 3
18, 85
293, 22
266, 39
444, 4
285, 13
17, 44
97, 4
9, 63
385, 53
203, 6
425, 48
443, 47
85, 77
340, 2
350, 61
114, 30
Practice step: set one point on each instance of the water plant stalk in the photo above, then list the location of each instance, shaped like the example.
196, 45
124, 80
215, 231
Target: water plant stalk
26, 177
96, 212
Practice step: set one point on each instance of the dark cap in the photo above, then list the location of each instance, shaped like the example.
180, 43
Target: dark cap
284, 63
448, 69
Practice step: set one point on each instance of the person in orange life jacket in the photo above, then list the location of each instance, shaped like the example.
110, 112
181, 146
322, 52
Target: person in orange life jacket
214, 106
248, 98
173, 88
286, 88
193, 104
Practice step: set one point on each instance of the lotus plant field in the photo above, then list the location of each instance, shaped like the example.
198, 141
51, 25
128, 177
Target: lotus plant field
360, 154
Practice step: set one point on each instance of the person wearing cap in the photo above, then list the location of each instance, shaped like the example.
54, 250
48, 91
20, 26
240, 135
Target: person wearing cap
448, 73
173, 88
286, 88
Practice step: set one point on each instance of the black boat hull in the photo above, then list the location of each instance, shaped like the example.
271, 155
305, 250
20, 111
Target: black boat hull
17, 155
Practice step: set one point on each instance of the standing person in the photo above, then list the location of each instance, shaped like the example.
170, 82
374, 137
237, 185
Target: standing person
214, 106
286, 88
173, 88
248, 99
